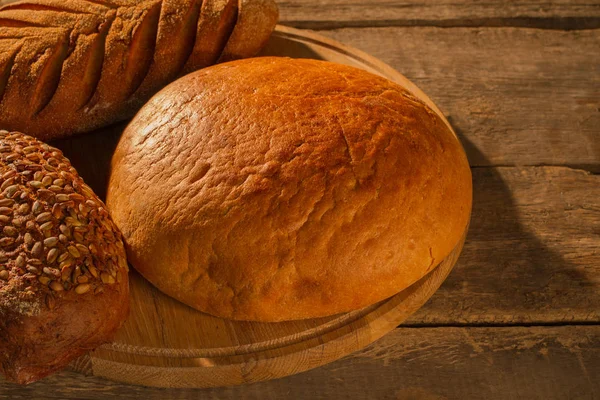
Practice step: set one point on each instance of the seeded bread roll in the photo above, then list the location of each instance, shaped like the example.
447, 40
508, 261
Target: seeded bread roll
63, 272
70, 66
316, 189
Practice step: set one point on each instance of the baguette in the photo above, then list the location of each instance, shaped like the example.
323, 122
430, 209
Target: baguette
217, 19
70, 66
251, 30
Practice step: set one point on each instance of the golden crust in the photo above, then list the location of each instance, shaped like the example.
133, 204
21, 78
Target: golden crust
274, 189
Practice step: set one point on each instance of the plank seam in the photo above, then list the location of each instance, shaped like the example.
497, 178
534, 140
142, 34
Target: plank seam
591, 169
547, 23
540, 324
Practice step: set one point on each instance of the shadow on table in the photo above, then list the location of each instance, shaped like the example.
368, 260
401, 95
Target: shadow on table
506, 274
91, 153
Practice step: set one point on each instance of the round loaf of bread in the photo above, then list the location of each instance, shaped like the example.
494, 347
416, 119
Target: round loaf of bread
275, 189
63, 272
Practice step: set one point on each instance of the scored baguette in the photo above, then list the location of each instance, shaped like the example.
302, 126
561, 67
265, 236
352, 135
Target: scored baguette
251, 30
70, 66
217, 19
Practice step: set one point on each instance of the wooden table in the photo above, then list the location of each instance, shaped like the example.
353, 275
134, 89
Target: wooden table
518, 317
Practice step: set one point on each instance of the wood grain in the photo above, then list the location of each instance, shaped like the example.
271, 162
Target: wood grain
319, 14
532, 254
423, 363
520, 96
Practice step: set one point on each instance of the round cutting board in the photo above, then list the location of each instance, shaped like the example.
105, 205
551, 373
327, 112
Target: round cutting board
167, 344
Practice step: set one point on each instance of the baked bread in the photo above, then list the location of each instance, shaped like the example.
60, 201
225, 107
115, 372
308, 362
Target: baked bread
252, 29
63, 272
316, 189
70, 66
217, 19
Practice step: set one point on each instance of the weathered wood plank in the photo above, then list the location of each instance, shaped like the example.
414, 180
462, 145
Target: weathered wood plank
319, 14
422, 363
560, 14
520, 96
532, 254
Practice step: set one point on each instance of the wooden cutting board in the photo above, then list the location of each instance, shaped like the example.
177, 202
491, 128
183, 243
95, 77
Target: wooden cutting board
167, 344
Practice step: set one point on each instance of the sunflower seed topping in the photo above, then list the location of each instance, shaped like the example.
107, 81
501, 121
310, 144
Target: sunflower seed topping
55, 233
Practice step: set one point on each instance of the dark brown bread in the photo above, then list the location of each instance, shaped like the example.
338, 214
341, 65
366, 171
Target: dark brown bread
316, 189
63, 272
69, 66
